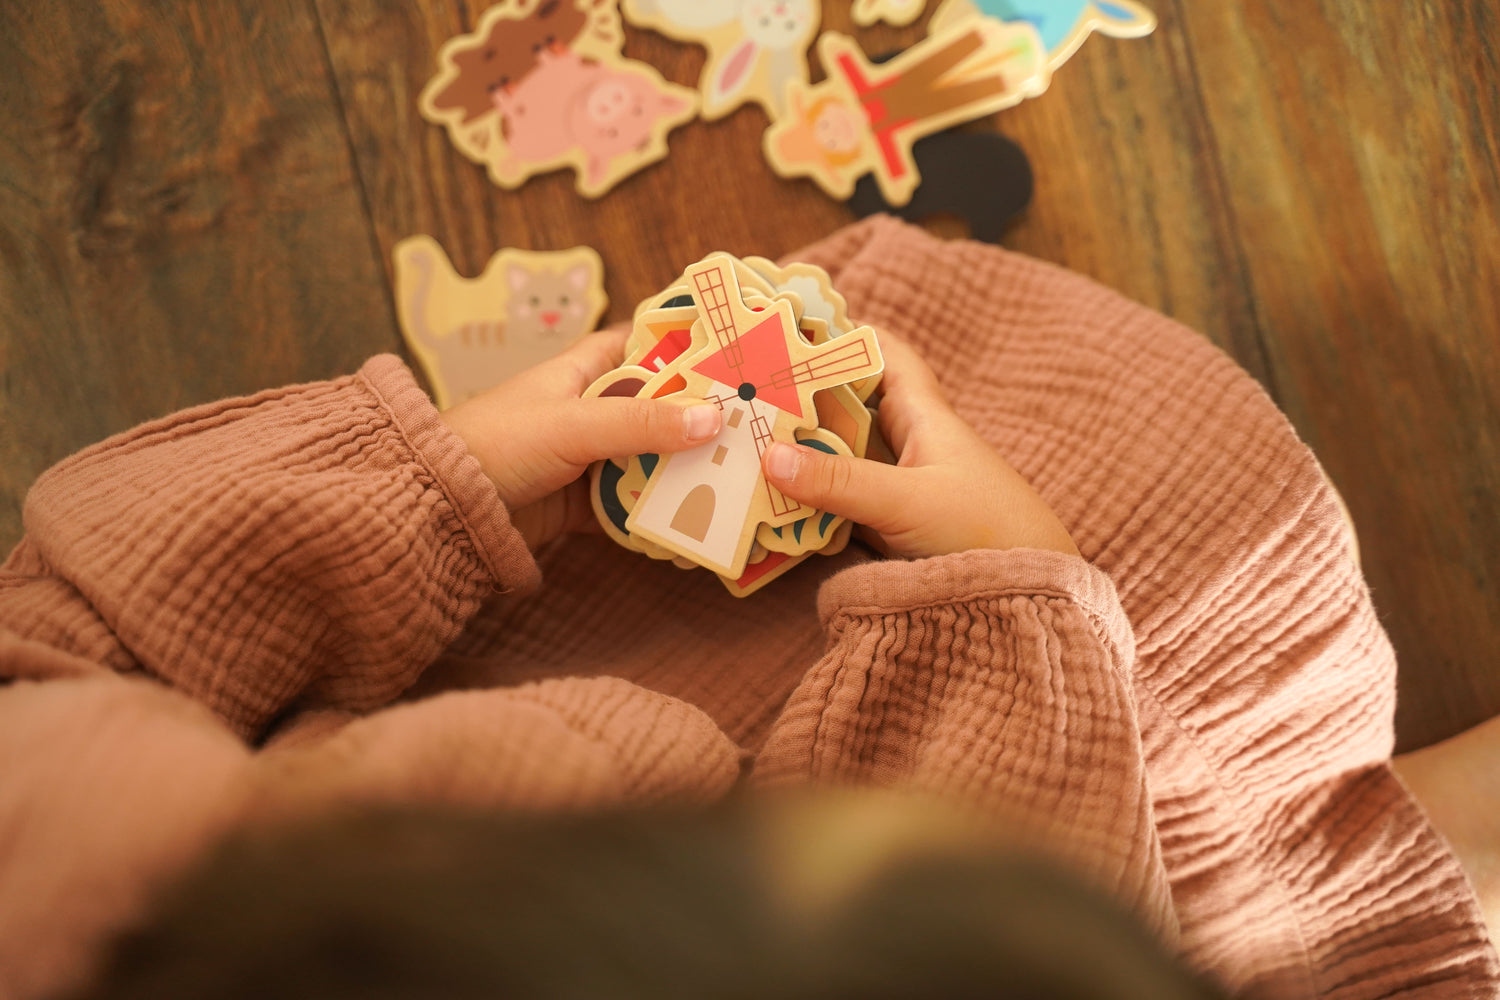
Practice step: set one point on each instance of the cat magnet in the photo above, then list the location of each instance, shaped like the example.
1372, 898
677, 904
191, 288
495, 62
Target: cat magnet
1062, 24
472, 333
864, 118
541, 85
755, 47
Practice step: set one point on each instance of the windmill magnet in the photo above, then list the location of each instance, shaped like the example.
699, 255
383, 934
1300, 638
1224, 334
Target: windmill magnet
755, 47
473, 333
541, 85
707, 502
723, 305
864, 117
1062, 24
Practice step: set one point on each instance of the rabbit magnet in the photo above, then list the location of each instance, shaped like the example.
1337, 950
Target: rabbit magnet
755, 47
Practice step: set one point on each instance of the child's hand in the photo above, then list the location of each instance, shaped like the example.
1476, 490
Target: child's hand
950, 491
534, 436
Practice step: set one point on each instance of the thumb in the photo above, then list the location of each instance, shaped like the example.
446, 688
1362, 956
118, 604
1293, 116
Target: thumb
857, 488
615, 426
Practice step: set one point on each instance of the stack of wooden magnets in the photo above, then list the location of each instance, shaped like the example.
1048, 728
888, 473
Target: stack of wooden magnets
774, 348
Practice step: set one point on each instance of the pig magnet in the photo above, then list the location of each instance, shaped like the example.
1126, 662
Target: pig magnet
541, 86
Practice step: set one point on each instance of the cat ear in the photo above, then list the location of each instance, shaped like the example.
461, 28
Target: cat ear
517, 276
578, 276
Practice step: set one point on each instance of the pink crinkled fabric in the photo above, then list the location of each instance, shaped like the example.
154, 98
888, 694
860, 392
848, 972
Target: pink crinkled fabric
252, 610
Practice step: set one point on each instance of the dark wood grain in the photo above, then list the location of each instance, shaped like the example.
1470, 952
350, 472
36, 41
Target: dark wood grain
196, 201
179, 219
1358, 148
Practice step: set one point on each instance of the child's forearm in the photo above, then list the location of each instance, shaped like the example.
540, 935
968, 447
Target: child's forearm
1000, 679
319, 543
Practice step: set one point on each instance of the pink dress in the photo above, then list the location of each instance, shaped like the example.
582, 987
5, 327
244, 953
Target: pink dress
248, 611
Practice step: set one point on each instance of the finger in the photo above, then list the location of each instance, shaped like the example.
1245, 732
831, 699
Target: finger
587, 430
863, 491
911, 393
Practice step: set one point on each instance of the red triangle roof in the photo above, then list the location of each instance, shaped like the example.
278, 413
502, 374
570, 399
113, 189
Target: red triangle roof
762, 354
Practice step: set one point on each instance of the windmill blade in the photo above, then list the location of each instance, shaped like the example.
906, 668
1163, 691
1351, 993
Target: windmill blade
760, 429
717, 311
844, 359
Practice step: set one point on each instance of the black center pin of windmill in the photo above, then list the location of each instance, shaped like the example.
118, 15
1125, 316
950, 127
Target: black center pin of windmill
747, 391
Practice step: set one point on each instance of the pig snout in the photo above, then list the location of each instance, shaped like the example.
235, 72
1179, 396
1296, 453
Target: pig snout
608, 101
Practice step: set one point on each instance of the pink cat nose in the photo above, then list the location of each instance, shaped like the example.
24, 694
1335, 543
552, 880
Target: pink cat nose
551, 318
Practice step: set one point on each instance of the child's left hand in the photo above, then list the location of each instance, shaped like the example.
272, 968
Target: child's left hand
534, 436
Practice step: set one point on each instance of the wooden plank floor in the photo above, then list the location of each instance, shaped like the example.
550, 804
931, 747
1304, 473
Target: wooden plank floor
201, 199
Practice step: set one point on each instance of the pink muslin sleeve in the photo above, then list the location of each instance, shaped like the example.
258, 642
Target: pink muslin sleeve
313, 545
183, 585
998, 680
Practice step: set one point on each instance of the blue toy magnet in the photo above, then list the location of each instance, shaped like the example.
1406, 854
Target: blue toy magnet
1063, 24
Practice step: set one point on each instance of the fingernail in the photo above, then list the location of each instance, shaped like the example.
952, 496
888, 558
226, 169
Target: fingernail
781, 462
701, 422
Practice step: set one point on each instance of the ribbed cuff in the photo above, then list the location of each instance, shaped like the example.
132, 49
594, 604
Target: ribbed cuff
896, 586
475, 502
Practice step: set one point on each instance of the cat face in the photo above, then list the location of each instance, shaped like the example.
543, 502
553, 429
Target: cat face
548, 305
508, 54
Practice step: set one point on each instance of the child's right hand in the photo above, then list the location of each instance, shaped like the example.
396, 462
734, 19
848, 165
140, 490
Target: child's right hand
949, 492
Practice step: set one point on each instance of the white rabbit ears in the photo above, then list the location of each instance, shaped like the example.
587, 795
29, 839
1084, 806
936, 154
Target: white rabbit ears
755, 47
